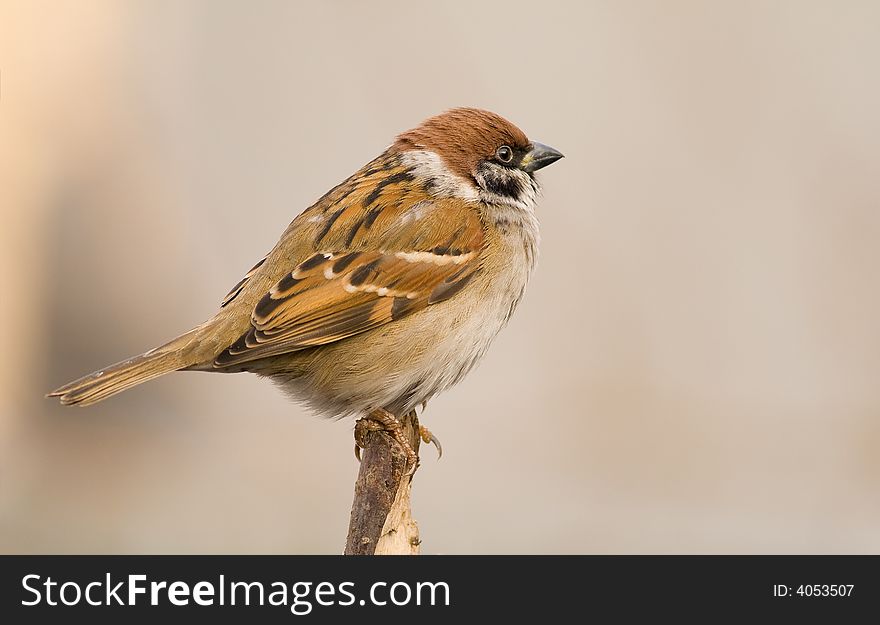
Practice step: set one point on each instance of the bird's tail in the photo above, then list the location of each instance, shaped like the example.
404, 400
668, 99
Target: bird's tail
100, 385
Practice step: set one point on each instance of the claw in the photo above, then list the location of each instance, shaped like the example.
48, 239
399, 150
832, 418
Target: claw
429, 437
357, 452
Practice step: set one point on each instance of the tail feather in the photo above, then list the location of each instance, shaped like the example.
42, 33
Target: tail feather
123, 375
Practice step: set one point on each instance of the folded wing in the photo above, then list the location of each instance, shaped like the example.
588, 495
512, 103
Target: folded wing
425, 252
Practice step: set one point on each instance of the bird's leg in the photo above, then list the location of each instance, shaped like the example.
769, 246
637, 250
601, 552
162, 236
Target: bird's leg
380, 420
429, 437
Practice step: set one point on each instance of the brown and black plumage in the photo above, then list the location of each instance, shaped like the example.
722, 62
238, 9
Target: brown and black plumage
384, 292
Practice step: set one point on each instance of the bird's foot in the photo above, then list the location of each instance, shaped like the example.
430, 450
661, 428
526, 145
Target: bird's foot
380, 420
429, 437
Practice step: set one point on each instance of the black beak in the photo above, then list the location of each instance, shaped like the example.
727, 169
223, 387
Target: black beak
539, 156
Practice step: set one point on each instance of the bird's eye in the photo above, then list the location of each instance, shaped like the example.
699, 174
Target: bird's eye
504, 154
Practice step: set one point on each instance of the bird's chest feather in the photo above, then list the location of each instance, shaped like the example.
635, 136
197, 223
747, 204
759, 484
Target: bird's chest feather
462, 329
402, 364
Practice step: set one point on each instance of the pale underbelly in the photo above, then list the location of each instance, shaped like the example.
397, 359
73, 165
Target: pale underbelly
400, 365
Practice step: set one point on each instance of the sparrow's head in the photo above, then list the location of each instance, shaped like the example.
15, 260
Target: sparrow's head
491, 157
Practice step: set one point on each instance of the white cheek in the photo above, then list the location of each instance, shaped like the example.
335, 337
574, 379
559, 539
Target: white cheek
428, 165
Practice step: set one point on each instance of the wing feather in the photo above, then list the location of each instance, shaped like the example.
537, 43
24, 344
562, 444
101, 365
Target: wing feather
380, 251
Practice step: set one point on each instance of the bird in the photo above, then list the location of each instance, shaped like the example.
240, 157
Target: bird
384, 292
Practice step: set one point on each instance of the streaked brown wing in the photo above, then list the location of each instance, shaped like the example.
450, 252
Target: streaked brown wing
413, 253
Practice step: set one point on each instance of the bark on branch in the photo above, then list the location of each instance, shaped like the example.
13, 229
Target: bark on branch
381, 519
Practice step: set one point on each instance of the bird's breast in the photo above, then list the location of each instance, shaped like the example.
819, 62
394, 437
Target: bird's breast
399, 365
456, 334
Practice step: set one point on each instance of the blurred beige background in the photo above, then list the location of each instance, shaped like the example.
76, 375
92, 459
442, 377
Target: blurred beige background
695, 368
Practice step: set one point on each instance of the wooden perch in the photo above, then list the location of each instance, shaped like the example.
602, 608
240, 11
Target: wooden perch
381, 519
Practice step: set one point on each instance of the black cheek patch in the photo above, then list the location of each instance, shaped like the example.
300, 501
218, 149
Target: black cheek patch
501, 181
507, 186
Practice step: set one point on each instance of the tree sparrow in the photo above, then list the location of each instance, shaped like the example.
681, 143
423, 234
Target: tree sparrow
387, 290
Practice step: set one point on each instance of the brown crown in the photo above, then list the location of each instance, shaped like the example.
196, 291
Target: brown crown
462, 137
